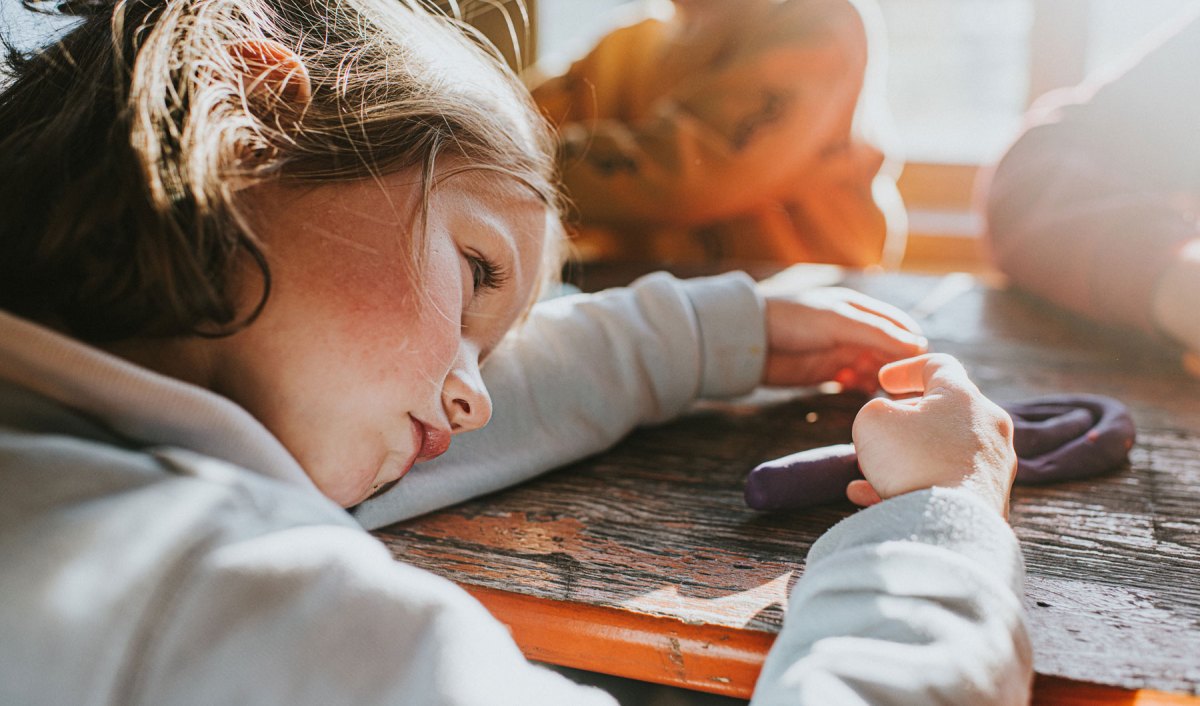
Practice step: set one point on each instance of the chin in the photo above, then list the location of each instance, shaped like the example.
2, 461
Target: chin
346, 498
344, 494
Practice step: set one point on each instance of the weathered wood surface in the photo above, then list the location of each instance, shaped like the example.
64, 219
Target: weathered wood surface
656, 529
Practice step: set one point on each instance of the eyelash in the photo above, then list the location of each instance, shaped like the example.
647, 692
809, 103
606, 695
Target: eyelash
485, 274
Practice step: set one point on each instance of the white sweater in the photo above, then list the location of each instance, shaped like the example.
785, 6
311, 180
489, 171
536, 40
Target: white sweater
159, 546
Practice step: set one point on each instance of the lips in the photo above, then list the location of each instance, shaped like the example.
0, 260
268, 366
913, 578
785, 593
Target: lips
433, 441
429, 443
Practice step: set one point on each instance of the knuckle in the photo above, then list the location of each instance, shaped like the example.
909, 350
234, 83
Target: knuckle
941, 359
874, 407
1004, 422
873, 412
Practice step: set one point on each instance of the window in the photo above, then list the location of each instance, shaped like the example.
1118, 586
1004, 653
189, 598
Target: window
570, 27
961, 72
957, 78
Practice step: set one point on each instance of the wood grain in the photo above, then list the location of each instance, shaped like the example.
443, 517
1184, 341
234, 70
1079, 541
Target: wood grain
652, 542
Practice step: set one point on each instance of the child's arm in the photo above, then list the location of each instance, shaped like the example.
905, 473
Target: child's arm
1089, 207
310, 616
917, 599
586, 370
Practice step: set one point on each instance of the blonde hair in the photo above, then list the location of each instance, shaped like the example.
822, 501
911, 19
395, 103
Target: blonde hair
128, 142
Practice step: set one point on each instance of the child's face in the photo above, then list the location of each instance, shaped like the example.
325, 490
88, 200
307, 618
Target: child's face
359, 370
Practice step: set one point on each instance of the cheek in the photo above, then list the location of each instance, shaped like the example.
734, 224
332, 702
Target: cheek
403, 333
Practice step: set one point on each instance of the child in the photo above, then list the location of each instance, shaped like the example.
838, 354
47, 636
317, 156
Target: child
254, 253
1096, 206
731, 130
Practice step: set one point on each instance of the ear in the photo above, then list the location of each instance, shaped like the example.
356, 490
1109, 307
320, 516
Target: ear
273, 75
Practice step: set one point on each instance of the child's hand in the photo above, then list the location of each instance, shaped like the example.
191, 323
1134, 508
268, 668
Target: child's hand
831, 333
950, 436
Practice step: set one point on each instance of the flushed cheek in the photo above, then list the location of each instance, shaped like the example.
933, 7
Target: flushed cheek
382, 341
399, 368
438, 332
415, 333
414, 356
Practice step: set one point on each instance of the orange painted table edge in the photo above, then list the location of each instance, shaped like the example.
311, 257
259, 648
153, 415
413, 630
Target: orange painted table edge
703, 657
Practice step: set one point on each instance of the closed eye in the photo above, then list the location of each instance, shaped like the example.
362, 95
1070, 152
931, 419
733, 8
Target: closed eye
485, 274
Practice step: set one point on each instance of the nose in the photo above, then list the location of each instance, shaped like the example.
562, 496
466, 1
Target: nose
464, 396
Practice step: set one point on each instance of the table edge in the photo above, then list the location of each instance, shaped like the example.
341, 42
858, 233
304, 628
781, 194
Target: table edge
702, 657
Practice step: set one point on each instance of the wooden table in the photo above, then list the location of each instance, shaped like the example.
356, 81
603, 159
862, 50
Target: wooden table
644, 561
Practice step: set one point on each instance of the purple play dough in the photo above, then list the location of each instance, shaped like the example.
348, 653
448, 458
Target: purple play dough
1102, 448
813, 477
1056, 437
1042, 429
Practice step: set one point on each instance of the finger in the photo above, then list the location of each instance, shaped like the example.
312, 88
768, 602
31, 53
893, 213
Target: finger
853, 326
840, 323
878, 416
867, 365
851, 379
892, 313
810, 368
861, 493
881, 410
924, 373
854, 378
864, 373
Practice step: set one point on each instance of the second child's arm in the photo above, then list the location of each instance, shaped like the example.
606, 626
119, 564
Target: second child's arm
1090, 207
918, 599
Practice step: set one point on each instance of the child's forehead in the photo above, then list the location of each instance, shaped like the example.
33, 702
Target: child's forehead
498, 181
491, 197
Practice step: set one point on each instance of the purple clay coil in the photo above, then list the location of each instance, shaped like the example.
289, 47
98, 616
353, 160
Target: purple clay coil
1056, 437
1040, 429
1101, 447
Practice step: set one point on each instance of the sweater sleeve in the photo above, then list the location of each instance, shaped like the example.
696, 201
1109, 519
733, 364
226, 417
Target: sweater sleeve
917, 600
1091, 204
726, 139
583, 372
323, 615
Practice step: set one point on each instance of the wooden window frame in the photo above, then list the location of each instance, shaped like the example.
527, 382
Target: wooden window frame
944, 228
